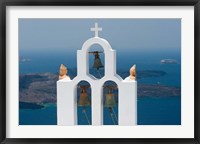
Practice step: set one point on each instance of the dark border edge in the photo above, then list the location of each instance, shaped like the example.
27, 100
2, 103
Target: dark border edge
3, 73
3, 138
101, 2
197, 70
101, 141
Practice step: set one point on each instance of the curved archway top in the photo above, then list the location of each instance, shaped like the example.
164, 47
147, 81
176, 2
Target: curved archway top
97, 40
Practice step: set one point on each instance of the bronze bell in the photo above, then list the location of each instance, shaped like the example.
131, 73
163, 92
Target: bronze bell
110, 100
97, 61
84, 99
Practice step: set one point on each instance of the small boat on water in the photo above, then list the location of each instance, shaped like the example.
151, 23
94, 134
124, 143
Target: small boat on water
168, 61
23, 59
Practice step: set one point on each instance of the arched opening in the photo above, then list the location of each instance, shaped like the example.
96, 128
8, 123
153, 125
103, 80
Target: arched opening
110, 103
96, 61
84, 103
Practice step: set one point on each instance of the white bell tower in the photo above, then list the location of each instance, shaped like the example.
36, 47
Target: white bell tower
67, 89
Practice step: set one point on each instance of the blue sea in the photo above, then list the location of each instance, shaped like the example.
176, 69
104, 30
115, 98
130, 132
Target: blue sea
151, 110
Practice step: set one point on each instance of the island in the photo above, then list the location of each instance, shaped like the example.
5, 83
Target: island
168, 61
40, 88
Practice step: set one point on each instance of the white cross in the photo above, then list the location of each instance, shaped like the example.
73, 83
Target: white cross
96, 29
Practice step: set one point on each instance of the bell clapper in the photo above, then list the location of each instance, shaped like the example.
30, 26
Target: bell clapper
84, 109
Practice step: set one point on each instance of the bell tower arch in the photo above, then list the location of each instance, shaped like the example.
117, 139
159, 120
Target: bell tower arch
109, 54
110, 57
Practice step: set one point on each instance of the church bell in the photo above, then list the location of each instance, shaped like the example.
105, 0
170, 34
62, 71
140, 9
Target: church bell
97, 64
110, 100
84, 99
97, 61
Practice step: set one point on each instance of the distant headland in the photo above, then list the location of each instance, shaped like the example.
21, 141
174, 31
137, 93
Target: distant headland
41, 87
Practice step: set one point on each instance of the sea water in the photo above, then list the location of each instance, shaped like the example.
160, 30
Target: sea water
151, 110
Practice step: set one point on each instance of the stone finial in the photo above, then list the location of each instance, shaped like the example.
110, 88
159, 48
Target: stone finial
63, 72
132, 75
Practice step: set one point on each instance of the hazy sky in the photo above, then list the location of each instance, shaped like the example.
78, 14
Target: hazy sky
39, 35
